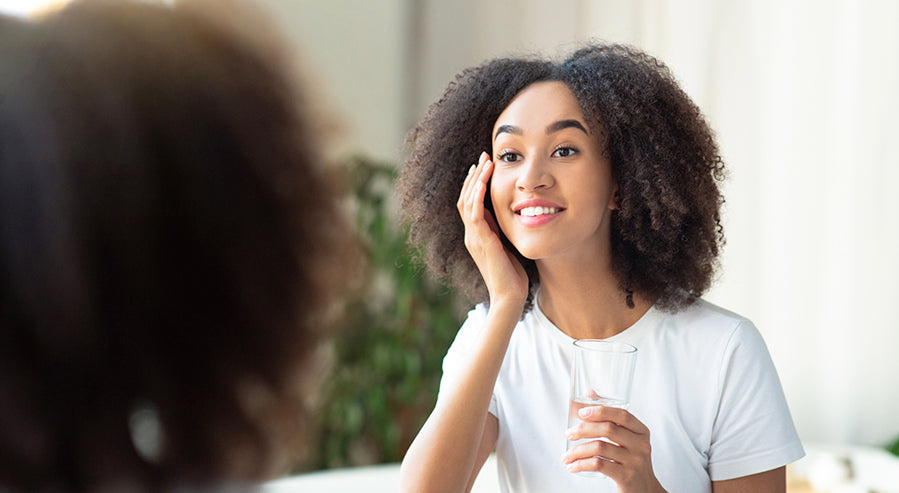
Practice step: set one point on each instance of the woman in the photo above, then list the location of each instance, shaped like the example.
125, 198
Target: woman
592, 212
168, 246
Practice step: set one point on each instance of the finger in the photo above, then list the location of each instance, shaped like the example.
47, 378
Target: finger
466, 185
470, 180
619, 416
596, 448
483, 157
616, 433
617, 443
485, 165
600, 429
480, 190
598, 464
476, 205
611, 469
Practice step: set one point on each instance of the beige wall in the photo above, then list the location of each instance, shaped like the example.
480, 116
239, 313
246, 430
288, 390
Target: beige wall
355, 52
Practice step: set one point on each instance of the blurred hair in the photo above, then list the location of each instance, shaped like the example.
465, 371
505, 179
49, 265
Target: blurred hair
666, 233
169, 245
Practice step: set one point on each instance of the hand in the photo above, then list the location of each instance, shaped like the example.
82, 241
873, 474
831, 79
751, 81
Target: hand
504, 275
627, 461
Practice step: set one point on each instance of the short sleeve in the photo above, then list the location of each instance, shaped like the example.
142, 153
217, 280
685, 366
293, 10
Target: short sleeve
753, 431
459, 351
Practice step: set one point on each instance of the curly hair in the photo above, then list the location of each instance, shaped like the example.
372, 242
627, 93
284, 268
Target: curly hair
169, 248
667, 232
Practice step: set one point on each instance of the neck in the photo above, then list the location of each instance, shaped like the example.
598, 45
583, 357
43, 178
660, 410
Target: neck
585, 300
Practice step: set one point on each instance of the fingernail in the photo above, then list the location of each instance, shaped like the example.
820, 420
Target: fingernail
571, 467
585, 412
484, 155
471, 170
570, 433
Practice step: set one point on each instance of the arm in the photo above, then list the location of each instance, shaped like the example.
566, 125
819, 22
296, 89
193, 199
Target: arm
459, 435
773, 481
488, 442
456, 439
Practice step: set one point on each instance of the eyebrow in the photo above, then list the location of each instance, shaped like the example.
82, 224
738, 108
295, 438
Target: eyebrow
510, 129
559, 125
551, 128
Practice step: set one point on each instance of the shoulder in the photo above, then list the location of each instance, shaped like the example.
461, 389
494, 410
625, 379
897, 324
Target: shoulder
474, 321
471, 328
477, 316
708, 314
706, 320
709, 334
729, 344
532, 329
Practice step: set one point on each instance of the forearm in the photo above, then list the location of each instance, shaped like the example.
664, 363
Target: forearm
443, 455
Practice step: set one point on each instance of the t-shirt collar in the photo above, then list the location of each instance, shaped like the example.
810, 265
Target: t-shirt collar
629, 335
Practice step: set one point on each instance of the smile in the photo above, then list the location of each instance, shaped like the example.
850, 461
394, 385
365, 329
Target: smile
538, 211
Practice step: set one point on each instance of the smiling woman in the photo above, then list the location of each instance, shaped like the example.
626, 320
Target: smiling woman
593, 213
667, 230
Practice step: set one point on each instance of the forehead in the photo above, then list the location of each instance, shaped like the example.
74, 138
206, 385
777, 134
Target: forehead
540, 104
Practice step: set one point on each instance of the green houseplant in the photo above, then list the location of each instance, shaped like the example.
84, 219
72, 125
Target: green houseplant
386, 363
893, 447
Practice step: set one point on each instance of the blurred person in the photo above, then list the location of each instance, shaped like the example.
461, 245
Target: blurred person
592, 212
169, 248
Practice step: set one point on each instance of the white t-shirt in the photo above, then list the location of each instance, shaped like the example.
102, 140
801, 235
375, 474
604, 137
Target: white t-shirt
704, 385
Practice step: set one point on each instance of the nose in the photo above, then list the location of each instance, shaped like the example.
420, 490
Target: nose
534, 176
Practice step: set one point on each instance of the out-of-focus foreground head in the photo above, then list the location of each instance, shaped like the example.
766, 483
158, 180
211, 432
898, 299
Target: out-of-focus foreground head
168, 246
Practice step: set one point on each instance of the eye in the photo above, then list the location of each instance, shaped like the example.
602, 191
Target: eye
564, 151
508, 156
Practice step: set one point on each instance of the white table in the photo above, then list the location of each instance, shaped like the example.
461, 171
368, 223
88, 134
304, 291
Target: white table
370, 479
874, 470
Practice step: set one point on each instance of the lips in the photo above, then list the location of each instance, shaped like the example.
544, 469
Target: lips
536, 207
536, 212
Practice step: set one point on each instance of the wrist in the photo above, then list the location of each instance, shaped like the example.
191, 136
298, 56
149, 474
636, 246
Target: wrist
508, 310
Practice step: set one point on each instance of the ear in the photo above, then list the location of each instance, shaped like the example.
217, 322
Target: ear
615, 201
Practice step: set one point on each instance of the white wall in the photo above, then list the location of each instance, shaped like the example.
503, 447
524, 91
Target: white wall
355, 52
803, 95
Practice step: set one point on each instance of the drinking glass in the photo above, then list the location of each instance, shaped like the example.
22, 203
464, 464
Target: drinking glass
601, 376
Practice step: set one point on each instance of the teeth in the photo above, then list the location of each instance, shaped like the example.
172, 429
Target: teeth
538, 211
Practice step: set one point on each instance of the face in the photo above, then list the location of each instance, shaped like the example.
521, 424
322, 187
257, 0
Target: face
552, 189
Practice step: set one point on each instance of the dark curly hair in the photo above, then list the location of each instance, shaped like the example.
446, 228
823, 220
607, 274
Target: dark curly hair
667, 233
169, 248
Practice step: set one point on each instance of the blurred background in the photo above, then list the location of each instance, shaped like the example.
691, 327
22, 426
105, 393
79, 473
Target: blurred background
803, 97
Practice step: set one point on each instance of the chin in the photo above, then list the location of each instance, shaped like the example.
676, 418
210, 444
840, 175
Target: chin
532, 252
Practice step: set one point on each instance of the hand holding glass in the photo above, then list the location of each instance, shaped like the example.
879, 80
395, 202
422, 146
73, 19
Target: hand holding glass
601, 376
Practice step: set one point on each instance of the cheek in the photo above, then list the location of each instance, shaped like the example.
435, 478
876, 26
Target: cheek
501, 198
496, 195
500, 186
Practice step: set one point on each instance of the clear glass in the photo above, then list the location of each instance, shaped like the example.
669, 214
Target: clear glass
602, 375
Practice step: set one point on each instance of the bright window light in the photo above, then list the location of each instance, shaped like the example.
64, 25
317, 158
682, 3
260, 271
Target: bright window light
24, 8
